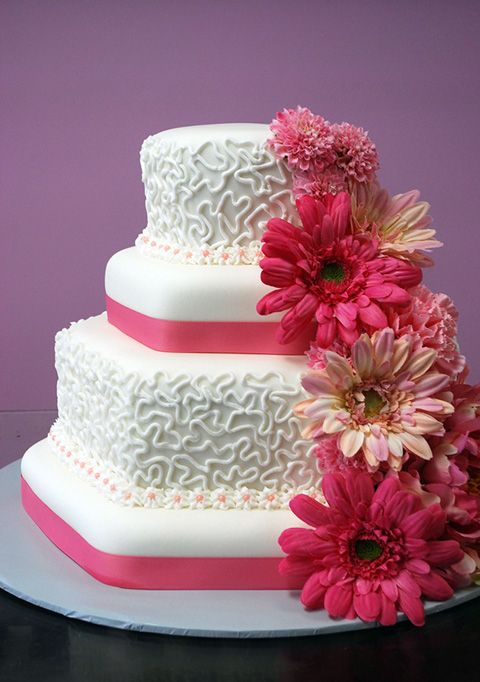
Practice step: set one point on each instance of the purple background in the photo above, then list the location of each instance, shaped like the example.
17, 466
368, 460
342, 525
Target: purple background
83, 83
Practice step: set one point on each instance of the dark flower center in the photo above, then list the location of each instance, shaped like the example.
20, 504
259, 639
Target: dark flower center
373, 402
368, 550
473, 484
332, 272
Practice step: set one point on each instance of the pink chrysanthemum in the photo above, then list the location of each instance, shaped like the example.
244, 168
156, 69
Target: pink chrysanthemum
331, 459
431, 319
383, 403
401, 223
462, 509
330, 181
316, 358
323, 272
356, 154
456, 457
370, 553
303, 139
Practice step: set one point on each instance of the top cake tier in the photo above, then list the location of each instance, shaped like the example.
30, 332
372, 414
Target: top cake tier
210, 190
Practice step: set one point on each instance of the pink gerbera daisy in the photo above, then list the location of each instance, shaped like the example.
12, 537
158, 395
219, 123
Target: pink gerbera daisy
303, 139
324, 272
370, 553
383, 402
401, 222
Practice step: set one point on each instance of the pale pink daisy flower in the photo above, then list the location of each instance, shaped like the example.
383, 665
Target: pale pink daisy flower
383, 404
432, 320
401, 223
356, 154
370, 553
303, 139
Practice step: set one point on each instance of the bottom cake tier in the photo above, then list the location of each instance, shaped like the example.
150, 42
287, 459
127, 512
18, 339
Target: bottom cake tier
152, 548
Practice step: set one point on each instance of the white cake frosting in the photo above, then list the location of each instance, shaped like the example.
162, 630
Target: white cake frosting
210, 191
174, 291
211, 426
136, 531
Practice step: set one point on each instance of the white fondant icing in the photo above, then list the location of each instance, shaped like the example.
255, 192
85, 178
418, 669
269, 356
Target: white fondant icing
212, 186
185, 292
182, 421
136, 531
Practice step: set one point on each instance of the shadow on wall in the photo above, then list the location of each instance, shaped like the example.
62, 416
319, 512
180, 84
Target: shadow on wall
20, 430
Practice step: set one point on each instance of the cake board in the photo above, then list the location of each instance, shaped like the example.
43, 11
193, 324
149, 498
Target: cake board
33, 569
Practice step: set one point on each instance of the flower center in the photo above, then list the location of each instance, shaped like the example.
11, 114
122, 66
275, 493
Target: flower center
368, 550
332, 272
473, 484
373, 402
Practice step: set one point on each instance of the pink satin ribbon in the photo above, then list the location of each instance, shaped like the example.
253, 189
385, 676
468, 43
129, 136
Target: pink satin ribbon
156, 573
182, 336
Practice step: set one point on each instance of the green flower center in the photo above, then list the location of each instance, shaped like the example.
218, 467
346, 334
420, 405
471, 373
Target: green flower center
373, 402
332, 272
368, 550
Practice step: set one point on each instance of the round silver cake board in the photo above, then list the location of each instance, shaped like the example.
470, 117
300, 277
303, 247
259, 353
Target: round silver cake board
33, 569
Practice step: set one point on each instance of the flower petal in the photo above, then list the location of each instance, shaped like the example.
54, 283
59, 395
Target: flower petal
434, 587
350, 442
309, 510
313, 592
416, 444
338, 600
373, 316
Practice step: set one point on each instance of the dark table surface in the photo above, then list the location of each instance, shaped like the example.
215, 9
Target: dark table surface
38, 645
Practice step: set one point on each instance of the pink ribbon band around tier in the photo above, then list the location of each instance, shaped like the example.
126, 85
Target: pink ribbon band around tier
156, 573
187, 336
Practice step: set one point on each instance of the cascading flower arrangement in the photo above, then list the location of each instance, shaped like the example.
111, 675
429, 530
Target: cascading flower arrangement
396, 425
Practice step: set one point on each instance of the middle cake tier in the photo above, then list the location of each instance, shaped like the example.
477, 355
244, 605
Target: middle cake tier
193, 308
193, 430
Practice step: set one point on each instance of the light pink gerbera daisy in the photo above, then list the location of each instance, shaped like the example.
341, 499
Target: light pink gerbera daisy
431, 319
325, 273
355, 152
303, 139
401, 223
383, 403
369, 553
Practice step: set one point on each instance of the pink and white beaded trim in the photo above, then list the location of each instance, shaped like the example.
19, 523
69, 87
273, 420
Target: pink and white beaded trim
222, 255
117, 489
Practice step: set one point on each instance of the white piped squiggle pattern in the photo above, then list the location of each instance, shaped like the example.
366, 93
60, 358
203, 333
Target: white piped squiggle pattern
190, 432
113, 485
215, 194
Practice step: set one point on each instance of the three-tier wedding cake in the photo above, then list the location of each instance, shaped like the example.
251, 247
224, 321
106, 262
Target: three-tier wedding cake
276, 282
176, 450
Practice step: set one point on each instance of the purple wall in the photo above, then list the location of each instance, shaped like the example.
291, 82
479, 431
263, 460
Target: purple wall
83, 83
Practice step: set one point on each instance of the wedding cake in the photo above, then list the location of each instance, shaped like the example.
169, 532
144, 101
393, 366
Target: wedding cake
268, 353
176, 435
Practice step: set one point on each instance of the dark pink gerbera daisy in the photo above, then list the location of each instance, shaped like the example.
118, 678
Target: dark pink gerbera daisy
324, 272
370, 553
